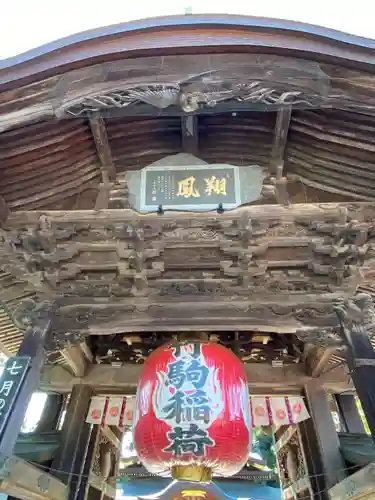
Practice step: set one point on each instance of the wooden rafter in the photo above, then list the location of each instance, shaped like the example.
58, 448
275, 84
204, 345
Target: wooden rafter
278, 151
107, 166
4, 211
76, 360
280, 137
190, 134
319, 360
10, 334
99, 133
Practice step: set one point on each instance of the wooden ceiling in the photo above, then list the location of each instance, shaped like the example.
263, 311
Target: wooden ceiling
55, 164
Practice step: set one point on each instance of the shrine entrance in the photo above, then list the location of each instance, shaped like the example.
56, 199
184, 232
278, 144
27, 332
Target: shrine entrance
213, 188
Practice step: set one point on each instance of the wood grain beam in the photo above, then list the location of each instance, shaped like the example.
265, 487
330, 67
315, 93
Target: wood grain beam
75, 359
11, 336
87, 352
310, 316
280, 138
190, 134
103, 197
99, 133
278, 152
27, 482
263, 379
318, 361
301, 211
4, 211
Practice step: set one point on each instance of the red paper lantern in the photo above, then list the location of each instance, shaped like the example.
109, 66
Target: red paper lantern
192, 412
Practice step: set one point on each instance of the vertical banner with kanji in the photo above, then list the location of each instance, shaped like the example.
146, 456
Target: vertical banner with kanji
11, 381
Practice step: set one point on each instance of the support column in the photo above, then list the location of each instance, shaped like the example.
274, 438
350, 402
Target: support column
349, 414
357, 317
20, 378
82, 490
321, 443
75, 441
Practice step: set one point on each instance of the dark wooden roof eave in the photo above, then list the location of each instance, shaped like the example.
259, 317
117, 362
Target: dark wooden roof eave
184, 34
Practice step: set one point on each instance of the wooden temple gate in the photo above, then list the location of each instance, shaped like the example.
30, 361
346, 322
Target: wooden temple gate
91, 282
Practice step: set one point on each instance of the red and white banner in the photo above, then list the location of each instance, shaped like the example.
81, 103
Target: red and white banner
127, 417
111, 410
299, 410
265, 410
114, 410
96, 410
278, 410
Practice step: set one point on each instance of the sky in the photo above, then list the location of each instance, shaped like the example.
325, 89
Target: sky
28, 24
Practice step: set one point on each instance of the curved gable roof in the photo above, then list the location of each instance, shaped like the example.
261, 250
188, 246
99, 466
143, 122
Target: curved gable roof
184, 34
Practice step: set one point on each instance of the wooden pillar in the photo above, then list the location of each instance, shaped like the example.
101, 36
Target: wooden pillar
321, 443
349, 414
82, 489
75, 440
17, 385
356, 317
